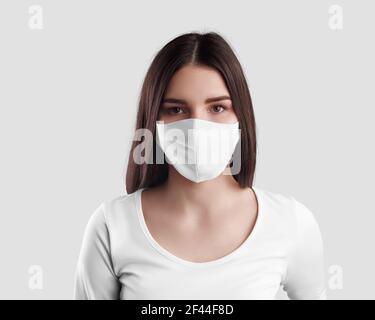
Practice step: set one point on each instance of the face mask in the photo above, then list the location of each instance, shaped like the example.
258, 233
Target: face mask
198, 149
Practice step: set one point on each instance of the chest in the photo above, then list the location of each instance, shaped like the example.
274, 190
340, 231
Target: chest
201, 239
239, 279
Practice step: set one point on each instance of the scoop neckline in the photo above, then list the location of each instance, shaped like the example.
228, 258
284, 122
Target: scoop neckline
181, 261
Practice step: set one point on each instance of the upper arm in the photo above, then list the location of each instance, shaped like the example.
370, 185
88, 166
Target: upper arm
95, 277
305, 278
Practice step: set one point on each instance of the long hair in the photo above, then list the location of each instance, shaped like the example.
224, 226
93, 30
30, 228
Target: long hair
208, 49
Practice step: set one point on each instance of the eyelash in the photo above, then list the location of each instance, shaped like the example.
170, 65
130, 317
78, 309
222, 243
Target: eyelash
219, 105
170, 110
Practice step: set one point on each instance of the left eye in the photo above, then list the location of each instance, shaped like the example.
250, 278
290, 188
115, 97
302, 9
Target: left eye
218, 108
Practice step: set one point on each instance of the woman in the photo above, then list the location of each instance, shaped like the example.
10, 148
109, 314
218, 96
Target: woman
198, 229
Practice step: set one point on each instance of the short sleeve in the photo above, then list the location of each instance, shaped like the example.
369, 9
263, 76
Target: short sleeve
95, 278
305, 277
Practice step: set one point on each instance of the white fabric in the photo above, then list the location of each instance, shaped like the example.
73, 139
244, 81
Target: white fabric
198, 149
119, 259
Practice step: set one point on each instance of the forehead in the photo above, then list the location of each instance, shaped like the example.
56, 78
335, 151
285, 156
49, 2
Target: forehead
197, 83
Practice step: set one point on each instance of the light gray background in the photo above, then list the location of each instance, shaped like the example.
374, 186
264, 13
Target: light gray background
68, 99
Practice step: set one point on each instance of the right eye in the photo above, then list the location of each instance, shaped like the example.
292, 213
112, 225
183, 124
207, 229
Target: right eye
174, 110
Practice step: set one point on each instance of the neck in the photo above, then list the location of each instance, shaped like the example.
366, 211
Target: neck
206, 196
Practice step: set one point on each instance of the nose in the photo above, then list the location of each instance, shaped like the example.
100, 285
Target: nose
198, 113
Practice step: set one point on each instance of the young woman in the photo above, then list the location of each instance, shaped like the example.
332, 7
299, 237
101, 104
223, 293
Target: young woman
198, 230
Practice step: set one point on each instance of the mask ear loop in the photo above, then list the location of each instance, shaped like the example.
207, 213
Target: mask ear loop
195, 143
160, 155
235, 157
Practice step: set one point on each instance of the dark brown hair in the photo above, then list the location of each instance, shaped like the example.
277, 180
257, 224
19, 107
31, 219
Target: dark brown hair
208, 49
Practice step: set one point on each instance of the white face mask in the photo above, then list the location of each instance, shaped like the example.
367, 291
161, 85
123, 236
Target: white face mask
198, 149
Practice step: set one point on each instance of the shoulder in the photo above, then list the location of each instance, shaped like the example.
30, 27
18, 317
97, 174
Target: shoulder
109, 213
285, 209
275, 206
111, 224
274, 200
120, 217
121, 209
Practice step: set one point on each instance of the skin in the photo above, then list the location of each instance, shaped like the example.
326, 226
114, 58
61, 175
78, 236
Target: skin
199, 222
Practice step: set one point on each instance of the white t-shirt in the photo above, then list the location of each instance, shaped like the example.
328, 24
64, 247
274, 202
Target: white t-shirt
119, 258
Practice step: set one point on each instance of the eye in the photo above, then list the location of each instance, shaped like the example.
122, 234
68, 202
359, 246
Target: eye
174, 110
218, 108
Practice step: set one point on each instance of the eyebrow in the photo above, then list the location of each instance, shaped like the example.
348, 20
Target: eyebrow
174, 100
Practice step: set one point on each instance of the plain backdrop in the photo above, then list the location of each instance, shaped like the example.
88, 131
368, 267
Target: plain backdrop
68, 100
